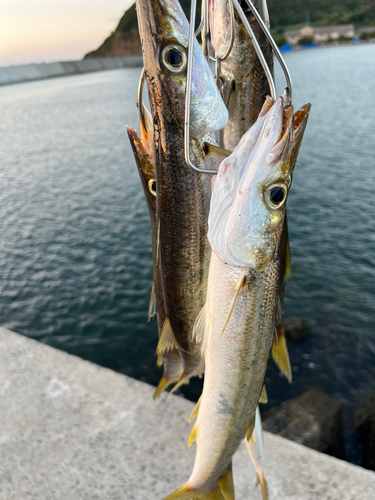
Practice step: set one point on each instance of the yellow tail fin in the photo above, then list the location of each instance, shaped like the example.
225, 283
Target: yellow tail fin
163, 384
226, 484
187, 493
263, 484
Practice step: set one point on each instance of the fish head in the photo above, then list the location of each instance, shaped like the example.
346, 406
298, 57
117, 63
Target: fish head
251, 188
142, 147
221, 23
164, 32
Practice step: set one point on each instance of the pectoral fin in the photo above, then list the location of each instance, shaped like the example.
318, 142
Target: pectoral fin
216, 152
239, 285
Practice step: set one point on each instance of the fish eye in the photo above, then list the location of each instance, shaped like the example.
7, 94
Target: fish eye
152, 186
276, 195
174, 58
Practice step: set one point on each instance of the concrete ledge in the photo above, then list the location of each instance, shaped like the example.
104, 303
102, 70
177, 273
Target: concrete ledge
29, 72
72, 430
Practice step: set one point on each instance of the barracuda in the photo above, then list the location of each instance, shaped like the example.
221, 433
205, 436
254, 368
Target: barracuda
182, 196
244, 85
238, 320
142, 148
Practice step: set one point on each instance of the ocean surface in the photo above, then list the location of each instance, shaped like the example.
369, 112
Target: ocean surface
75, 253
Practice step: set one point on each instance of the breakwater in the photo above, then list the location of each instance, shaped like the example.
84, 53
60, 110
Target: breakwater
65, 435
29, 72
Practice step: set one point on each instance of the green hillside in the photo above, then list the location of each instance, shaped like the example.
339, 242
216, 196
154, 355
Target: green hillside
288, 13
283, 14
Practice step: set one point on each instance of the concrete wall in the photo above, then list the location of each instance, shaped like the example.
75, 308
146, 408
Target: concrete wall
27, 72
71, 430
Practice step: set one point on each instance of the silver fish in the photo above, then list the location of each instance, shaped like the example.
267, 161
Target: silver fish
182, 195
238, 320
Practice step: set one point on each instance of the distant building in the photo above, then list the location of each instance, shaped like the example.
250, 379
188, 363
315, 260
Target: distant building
324, 34
369, 31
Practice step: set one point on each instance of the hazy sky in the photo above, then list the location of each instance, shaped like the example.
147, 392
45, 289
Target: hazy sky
50, 30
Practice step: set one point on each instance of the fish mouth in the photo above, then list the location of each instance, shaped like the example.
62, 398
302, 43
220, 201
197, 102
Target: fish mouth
299, 126
288, 128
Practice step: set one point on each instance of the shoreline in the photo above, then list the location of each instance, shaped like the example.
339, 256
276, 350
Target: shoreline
10, 75
84, 431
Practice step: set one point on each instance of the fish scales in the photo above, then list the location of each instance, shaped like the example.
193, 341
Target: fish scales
146, 169
183, 206
238, 320
182, 195
236, 361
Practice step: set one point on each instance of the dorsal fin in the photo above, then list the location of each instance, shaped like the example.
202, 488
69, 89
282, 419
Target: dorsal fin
167, 341
193, 434
195, 411
263, 398
280, 353
152, 304
239, 285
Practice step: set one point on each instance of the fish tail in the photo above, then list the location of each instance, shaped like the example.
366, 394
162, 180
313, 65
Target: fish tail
188, 493
163, 384
263, 485
183, 379
226, 484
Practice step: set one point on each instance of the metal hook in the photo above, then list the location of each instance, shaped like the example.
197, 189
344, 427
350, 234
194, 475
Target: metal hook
232, 30
204, 28
257, 48
274, 46
140, 99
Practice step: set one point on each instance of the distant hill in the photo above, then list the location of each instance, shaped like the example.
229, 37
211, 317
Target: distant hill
124, 40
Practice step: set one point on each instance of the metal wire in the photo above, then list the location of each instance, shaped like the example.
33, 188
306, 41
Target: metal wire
257, 48
232, 33
140, 99
204, 29
273, 44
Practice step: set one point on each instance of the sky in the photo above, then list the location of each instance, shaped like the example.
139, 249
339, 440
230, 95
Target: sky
55, 30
